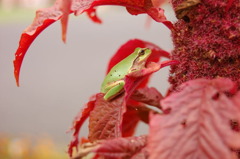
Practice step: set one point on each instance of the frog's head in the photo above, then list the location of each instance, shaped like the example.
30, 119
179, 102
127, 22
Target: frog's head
143, 54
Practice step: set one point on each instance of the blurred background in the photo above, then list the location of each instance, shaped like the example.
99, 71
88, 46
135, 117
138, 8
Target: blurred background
57, 79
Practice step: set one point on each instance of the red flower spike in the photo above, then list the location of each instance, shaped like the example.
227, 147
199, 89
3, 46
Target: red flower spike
229, 4
207, 46
78, 122
199, 121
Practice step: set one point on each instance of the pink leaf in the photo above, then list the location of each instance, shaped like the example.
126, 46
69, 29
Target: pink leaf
105, 120
130, 121
131, 148
93, 15
78, 122
149, 96
134, 114
157, 3
66, 9
198, 125
122, 147
135, 78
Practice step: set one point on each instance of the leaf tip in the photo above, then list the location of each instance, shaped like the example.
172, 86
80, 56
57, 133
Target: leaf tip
16, 72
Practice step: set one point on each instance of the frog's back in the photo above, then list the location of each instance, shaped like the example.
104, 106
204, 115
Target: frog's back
119, 71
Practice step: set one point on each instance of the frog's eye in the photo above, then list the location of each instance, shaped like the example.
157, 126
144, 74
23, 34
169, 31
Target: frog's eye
141, 52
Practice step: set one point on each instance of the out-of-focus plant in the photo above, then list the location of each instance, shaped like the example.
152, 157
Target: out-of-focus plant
25, 148
198, 118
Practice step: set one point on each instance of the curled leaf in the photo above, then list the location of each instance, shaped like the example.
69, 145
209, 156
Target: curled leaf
78, 122
43, 19
132, 147
60, 11
135, 78
150, 96
198, 125
129, 47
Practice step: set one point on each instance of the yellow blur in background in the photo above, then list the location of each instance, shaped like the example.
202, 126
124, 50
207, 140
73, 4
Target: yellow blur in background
26, 148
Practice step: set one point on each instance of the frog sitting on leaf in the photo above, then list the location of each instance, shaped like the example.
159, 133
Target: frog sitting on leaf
113, 84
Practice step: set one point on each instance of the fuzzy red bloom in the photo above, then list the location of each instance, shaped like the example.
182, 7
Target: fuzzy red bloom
206, 41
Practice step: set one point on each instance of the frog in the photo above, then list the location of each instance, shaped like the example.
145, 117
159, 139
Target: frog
113, 83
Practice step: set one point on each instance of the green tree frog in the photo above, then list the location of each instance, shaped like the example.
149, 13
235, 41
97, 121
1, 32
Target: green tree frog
113, 84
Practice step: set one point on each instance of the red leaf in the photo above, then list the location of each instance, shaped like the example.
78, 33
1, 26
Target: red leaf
135, 78
78, 122
134, 114
136, 7
43, 19
122, 147
130, 121
93, 15
61, 10
149, 96
131, 148
105, 120
198, 125
157, 3
66, 9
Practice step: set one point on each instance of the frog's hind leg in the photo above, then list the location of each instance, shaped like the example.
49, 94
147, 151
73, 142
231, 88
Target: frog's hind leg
114, 91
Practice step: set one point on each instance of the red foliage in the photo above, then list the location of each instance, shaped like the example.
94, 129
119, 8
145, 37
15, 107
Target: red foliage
207, 44
78, 122
106, 117
122, 147
198, 124
61, 10
149, 96
199, 118
132, 147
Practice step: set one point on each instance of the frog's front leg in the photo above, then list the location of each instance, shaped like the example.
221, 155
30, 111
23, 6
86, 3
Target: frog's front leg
115, 90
